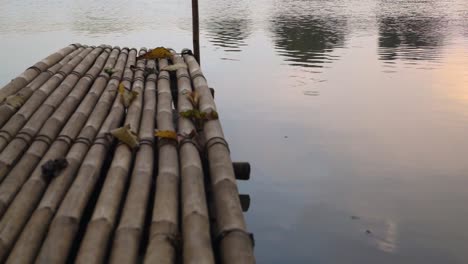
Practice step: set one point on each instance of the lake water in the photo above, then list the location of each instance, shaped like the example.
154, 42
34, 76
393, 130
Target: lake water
353, 113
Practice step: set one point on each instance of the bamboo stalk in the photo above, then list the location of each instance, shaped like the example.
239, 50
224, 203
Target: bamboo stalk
128, 234
195, 220
165, 225
21, 171
7, 110
46, 123
32, 72
235, 242
64, 226
25, 202
94, 246
17, 121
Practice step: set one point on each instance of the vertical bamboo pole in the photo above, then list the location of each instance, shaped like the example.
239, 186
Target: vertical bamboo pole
234, 241
64, 226
7, 110
16, 122
33, 71
196, 30
21, 171
130, 228
94, 246
165, 220
46, 123
25, 202
195, 220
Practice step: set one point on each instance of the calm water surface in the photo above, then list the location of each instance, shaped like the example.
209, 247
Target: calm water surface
353, 113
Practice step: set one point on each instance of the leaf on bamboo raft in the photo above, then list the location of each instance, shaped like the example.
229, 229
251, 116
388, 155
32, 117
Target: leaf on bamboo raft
199, 118
174, 67
51, 168
109, 71
196, 138
166, 134
197, 115
126, 135
126, 96
194, 98
15, 100
156, 53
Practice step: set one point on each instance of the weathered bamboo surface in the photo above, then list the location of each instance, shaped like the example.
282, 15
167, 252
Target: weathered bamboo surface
108, 155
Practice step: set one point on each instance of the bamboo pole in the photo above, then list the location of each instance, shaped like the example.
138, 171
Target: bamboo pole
64, 226
196, 30
165, 219
32, 72
25, 202
195, 220
234, 241
48, 133
94, 246
47, 123
17, 121
7, 110
128, 234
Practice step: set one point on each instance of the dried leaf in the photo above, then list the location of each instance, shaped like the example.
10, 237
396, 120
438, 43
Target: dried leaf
126, 96
187, 114
157, 53
15, 100
166, 134
51, 168
126, 135
174, 67
213, 115
194, 98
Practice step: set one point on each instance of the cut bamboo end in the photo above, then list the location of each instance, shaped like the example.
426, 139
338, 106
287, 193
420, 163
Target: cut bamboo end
241, 170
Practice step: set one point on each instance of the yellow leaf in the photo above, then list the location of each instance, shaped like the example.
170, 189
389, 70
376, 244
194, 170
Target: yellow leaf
126, 135
126, 96
174, 67
15, 101
157, 53
166, 134
194, 98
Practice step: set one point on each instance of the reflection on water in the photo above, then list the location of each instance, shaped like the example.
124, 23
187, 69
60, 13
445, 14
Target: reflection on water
410, 38
307, 41
305, 34
228, 24
304, 96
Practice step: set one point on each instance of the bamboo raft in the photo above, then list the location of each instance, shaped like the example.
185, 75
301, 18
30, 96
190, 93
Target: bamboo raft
72, 190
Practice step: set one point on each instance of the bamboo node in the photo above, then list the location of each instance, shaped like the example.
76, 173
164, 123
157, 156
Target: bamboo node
165, 141
183, 75
198, 74
223, 234
164, 77
34, 67
173, 239
216, 140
